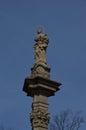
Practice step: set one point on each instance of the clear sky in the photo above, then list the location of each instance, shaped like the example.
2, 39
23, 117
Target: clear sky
64, 22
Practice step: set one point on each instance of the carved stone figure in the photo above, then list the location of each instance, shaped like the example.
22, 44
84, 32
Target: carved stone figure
40, 47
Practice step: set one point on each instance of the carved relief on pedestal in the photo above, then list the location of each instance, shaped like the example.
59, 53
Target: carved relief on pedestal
40, 70
39, 118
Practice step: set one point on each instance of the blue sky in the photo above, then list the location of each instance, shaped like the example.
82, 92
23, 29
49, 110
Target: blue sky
64, 22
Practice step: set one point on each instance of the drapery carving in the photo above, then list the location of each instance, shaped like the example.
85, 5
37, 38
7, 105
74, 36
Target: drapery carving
40, 48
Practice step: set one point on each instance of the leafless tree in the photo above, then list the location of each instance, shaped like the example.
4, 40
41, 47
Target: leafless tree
67, 120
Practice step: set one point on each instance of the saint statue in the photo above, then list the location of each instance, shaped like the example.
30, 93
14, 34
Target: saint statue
40, 47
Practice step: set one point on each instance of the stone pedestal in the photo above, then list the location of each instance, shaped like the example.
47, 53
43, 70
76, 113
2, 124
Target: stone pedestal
40, 89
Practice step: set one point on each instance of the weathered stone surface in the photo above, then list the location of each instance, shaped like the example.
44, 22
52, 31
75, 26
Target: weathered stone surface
39, 119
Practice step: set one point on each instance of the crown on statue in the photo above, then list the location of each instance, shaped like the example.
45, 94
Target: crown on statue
41, 37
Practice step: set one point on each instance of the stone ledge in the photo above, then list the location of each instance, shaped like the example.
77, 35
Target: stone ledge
40, 85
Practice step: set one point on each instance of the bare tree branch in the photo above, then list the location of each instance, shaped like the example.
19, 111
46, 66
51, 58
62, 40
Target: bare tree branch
67, 120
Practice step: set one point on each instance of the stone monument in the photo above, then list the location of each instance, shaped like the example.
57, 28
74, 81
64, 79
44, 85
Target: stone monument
39, 85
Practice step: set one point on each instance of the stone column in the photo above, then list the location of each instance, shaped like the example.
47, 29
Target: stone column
39, 86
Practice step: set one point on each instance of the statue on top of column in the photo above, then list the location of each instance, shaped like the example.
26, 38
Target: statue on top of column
40, 47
